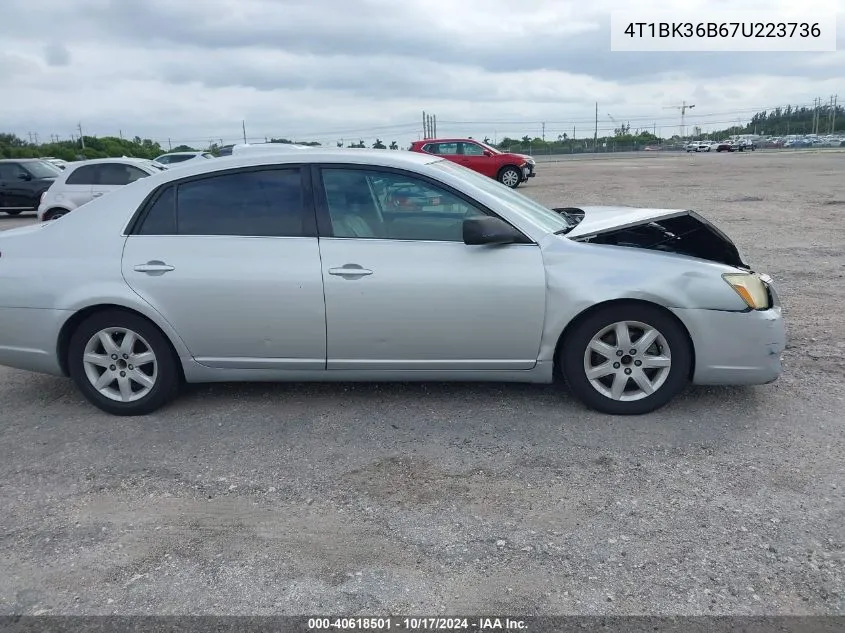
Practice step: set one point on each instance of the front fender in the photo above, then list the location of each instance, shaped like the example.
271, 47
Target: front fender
580, 276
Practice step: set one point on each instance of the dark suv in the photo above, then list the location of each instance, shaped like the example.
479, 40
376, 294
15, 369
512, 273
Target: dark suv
22, 181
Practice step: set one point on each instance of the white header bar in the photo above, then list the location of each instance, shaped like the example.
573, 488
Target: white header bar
725, 31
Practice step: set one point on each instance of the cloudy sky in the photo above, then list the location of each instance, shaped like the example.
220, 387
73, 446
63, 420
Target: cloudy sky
192, 70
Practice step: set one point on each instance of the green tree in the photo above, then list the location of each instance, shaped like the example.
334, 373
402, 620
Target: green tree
394, 145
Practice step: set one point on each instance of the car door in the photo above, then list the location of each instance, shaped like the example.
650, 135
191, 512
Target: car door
403, 292
473, 155
231, 261
76, 189
7, 171
14, 187
112, 176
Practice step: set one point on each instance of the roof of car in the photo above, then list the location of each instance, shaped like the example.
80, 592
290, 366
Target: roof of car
375, 157
450, 140
123, 160
182, 153
21, 160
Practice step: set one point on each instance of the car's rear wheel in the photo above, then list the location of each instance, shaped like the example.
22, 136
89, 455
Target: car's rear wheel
54, 214
626, 359
15, 212
122, 363
510, 176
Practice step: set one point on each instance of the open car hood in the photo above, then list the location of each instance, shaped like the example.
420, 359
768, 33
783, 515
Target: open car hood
669, 230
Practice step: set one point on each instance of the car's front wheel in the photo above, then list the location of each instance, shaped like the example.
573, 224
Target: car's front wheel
510, 176
122, 363
626, 359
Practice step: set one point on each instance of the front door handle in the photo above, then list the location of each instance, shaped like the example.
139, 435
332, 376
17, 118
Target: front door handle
350, 271
154, 267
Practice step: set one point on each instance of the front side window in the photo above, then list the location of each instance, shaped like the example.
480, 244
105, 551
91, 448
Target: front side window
11, 171
264, 203
471, 149
119, 174
390, 205
42, 169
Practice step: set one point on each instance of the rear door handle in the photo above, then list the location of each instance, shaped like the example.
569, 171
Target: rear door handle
154, 267
96, 195
350, 271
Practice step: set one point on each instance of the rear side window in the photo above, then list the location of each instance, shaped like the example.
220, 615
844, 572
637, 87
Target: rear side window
84, 175
161, 218
265, 203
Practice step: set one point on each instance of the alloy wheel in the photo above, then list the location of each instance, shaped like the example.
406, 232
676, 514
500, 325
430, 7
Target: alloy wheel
627, 361
120, 364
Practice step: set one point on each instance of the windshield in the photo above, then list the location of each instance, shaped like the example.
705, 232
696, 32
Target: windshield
42, 169
168, 159
521, 205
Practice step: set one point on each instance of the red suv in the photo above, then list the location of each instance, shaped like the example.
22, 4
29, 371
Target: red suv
509, 169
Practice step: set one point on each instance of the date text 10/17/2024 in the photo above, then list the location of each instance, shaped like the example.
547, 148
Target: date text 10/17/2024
417, 624
722, 31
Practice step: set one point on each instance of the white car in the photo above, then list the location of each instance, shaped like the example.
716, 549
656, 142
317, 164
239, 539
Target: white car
56, 162
263, 148
173, 159
82, 181
699, 146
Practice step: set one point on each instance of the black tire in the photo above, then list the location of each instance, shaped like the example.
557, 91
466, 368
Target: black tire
53, 214
572, 356
15, 212
168, 377
505, 174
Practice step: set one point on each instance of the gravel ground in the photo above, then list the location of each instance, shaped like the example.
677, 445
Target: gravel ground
426, 499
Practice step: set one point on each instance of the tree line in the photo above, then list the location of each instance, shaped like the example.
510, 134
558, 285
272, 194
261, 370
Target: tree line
778, 122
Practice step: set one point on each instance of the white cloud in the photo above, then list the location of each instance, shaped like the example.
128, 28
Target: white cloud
326, 69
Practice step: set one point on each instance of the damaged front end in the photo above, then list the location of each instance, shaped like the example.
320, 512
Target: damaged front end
672, 231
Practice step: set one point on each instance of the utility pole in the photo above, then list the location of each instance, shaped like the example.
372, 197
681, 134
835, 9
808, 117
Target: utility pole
120, 132
425, 125
434, 122
596, 132
169, 145
544, 131
833, 118
81, 137
243, 126
830, 114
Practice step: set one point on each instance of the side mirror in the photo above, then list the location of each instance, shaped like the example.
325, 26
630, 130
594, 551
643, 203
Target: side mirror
25, 176
489, 230
487, 152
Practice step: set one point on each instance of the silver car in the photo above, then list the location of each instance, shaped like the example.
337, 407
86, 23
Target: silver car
367, 265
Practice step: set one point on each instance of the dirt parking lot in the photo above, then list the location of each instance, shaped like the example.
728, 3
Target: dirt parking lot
369, 499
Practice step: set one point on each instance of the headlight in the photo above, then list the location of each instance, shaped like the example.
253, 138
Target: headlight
751, 288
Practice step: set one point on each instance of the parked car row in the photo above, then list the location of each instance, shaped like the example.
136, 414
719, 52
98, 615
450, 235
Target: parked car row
728, 145
53, 187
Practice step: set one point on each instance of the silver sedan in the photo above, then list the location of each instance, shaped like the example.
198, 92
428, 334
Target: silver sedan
359, 265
